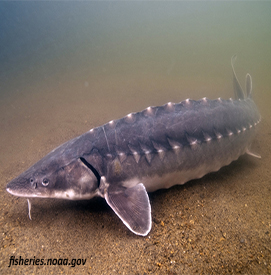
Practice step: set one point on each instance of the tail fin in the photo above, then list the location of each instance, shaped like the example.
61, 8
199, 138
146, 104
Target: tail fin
249, 85
238, 91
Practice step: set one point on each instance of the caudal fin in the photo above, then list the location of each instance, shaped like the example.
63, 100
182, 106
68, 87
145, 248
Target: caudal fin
249, 85
238, 91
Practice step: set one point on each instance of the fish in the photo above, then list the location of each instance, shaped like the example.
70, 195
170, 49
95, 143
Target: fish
157, 148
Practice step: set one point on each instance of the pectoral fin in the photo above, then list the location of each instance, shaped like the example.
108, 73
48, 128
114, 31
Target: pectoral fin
132, 205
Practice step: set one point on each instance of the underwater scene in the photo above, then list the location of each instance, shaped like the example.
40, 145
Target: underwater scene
68, 67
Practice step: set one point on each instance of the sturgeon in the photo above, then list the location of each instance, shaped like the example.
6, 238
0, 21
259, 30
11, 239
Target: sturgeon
145, 151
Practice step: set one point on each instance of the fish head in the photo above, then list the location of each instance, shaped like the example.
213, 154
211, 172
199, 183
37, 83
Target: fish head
57, 175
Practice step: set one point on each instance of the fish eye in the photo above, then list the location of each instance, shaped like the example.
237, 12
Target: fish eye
45, 182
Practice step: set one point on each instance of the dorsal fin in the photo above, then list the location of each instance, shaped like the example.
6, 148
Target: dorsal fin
249, 85
238, 91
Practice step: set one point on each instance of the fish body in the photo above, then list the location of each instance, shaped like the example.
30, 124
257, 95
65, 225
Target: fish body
145, 151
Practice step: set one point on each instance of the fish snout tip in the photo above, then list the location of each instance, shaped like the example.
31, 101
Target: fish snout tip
9, 188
